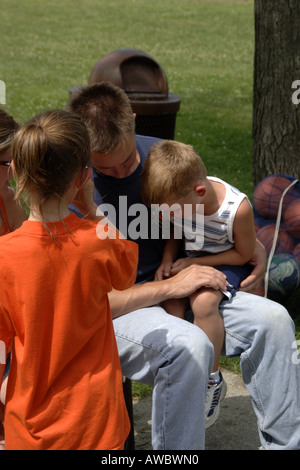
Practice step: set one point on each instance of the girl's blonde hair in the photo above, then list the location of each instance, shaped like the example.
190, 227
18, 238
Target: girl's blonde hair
170, 172
47, 153
8, 128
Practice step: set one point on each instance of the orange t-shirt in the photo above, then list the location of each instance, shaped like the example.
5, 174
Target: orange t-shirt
65, 385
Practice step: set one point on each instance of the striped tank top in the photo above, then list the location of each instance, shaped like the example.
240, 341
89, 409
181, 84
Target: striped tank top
218, 227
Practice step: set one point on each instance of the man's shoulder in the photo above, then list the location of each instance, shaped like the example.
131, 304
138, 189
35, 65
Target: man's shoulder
144, 143
147, 139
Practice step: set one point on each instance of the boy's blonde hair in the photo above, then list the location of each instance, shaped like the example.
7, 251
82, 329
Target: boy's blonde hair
170, 172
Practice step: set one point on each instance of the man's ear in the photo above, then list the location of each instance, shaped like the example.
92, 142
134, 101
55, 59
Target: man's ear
200, 189
83, 176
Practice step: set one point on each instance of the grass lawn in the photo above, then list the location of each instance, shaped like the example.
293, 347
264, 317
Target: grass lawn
204, 46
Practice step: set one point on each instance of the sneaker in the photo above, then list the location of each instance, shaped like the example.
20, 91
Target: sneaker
216, 391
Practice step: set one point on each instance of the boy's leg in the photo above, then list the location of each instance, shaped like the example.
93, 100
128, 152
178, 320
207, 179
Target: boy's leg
205, 306
262, 333
176, 357
176, 307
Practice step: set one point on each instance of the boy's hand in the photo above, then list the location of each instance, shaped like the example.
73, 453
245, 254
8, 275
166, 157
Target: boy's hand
180, 264
163, 271
253, 281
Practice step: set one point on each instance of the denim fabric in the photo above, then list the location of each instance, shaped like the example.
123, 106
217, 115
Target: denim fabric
176, 357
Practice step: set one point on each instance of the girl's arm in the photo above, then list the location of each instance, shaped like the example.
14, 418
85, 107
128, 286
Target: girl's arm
245, 241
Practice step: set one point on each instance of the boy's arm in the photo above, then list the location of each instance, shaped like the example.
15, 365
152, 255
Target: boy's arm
244, 234
170, 251
245, 240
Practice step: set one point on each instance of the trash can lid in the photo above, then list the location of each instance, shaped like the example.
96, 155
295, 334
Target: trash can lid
135, 71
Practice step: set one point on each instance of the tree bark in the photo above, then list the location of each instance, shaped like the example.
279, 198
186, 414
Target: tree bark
276, 112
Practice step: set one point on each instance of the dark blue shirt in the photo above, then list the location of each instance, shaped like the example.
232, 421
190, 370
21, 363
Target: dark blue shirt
109, 189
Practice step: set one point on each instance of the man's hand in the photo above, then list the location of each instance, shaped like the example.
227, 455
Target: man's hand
192, 278
183, 284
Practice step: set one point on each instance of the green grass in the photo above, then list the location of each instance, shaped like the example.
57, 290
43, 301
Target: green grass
204, 46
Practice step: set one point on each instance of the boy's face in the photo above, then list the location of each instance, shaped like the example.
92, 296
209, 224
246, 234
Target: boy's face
120, 162
184, 204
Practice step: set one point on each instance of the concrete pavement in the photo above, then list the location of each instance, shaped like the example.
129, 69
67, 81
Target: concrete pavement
236, 428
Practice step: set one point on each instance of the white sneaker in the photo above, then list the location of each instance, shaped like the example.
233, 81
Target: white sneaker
216, 391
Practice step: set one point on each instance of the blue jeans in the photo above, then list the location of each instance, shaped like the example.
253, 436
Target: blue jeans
176, 357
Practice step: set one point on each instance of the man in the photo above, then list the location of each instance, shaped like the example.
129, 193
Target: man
167, 352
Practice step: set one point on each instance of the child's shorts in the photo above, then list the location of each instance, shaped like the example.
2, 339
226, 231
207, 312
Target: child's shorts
235, 275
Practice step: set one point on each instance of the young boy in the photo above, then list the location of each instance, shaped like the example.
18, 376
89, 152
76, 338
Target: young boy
174, 174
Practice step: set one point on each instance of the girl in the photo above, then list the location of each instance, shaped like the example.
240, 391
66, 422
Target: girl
12, 213
65, 384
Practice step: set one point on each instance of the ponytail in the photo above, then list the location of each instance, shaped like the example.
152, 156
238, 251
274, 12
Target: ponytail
47, 153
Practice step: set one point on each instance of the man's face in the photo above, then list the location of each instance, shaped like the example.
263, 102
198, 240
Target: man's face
120, 162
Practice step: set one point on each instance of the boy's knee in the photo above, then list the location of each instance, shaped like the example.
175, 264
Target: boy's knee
205, 304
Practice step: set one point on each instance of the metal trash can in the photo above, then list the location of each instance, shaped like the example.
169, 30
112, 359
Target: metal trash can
146, 85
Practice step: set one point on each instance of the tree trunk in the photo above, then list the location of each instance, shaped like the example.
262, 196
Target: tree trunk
276, 112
